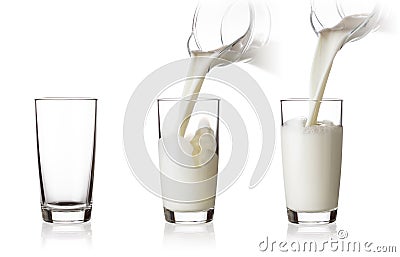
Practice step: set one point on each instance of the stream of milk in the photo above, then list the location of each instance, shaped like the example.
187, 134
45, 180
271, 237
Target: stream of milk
330, 42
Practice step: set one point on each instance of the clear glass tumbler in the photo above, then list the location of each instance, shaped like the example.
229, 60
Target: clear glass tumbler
66, 143
312, 159
188, 158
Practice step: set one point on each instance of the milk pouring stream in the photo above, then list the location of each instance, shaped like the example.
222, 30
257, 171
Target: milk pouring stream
330, 42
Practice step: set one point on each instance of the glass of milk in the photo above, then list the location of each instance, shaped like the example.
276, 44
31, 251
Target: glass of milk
188, 157
311, 157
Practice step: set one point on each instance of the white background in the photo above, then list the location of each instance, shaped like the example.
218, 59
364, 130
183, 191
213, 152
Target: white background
105, 48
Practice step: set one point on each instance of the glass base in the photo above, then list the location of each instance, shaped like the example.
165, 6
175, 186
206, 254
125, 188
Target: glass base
66, 216
196, 217
311, 217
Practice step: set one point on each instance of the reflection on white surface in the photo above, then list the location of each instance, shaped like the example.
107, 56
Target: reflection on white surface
54, 235
182, 236
311, 232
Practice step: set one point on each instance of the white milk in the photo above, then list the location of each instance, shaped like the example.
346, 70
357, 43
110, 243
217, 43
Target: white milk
200, 64
330, 42
200, 175
311, 159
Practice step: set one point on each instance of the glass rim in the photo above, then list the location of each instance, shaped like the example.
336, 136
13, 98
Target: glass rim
62, 98
311, 100
184, 99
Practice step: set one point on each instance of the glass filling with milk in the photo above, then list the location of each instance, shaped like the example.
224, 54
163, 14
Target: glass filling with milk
312, 149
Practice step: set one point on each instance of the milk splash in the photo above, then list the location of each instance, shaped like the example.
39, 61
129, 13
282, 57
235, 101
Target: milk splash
203, 61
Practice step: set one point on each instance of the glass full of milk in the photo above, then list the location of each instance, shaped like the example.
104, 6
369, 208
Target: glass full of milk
311, 157
188, 157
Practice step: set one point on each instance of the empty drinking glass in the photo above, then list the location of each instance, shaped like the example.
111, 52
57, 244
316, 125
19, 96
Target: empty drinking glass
66, 143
